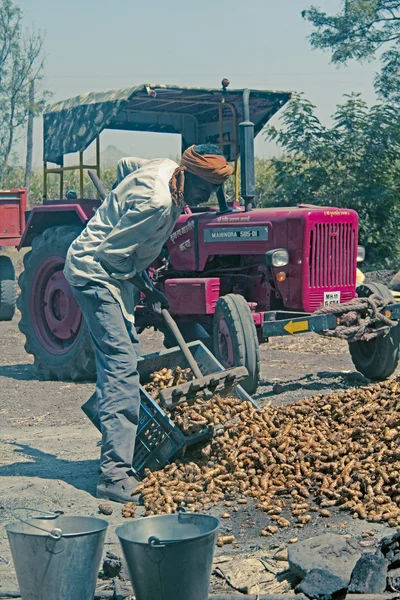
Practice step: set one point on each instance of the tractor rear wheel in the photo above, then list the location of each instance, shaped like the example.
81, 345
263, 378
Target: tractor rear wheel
235, 338
51, 320
8, 289
378, 358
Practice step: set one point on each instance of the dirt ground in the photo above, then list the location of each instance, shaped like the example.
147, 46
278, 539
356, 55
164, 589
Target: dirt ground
49, 453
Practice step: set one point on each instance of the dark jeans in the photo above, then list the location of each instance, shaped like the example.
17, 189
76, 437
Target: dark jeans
116, 403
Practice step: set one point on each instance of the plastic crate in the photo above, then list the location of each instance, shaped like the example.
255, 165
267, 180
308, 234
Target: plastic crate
158, 440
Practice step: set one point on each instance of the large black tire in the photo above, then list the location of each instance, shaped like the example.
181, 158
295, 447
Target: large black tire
56, 355
378, 358
235, 338
8, 289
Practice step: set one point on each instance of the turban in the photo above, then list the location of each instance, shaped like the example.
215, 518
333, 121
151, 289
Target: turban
211, 167
214, 168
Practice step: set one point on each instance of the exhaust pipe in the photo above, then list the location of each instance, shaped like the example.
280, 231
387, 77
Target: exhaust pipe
246, 140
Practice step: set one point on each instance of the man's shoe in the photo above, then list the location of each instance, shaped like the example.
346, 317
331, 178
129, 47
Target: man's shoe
118, 491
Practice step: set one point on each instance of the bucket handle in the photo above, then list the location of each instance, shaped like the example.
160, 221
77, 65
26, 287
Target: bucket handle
55, 533
155, 542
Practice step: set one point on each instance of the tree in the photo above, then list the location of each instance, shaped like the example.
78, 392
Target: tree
352, 164
21, 62
264, 174
29, 137
359, 32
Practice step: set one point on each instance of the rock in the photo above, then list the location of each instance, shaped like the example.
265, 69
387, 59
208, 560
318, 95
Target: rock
389, 548
321, 584
281, 555
369, 575
278, 388
105, 509
112, 566
368, 543
394, 559
336, 553
393, 580
391, 542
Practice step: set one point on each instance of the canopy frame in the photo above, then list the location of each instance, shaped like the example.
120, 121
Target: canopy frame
199, 115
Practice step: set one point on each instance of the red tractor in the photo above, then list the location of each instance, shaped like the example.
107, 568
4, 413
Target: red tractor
12, 226
239, 273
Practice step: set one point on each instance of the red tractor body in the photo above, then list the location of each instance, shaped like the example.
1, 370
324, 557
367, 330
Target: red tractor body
210, 255
12, 226
227, 253
234, 275
12, 216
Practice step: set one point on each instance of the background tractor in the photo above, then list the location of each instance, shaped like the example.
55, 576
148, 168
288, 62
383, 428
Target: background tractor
12, 226
234, 275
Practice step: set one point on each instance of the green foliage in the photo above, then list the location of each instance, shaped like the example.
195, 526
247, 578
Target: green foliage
264, 183
387, 82
21, 61
353, 164
358, 32
15, 178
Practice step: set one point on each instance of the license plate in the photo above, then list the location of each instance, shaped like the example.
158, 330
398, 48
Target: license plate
331, 298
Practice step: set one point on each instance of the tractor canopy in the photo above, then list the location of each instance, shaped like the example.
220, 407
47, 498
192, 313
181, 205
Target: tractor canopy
200, 115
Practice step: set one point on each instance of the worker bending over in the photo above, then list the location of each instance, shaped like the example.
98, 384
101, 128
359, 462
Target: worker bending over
103, 267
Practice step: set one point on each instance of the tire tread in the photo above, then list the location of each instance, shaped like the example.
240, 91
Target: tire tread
82, 366
8, 289
240, 321
385, 358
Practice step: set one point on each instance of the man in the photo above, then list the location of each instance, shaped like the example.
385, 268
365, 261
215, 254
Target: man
103, 266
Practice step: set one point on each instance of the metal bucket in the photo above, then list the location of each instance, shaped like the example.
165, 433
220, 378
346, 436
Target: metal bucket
57, 557
170, 557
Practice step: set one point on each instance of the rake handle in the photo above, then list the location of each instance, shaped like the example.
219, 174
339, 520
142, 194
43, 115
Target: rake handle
173, 327
97, 184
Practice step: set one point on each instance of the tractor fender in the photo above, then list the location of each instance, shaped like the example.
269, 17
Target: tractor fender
42, 217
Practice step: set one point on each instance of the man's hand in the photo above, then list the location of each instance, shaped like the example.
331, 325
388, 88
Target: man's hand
156, 300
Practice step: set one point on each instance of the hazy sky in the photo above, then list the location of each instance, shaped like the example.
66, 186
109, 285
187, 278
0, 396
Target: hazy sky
103, 44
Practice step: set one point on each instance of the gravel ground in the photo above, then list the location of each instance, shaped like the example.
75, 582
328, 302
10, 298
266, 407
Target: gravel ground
49, 453
383, 276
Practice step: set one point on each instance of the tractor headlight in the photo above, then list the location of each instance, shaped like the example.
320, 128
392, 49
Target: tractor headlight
360, 254
277, 258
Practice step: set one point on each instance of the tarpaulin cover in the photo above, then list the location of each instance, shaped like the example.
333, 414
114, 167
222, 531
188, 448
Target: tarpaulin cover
72, 125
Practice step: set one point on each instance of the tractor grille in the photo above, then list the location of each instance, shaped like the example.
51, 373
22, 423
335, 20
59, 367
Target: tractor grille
332, 255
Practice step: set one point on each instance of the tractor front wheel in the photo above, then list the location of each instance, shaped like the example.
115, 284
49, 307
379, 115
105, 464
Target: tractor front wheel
8, 289
235, 338
51, 320
378, 358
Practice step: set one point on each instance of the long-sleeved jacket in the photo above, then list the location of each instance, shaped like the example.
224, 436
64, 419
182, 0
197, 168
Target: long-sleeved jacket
127, 231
